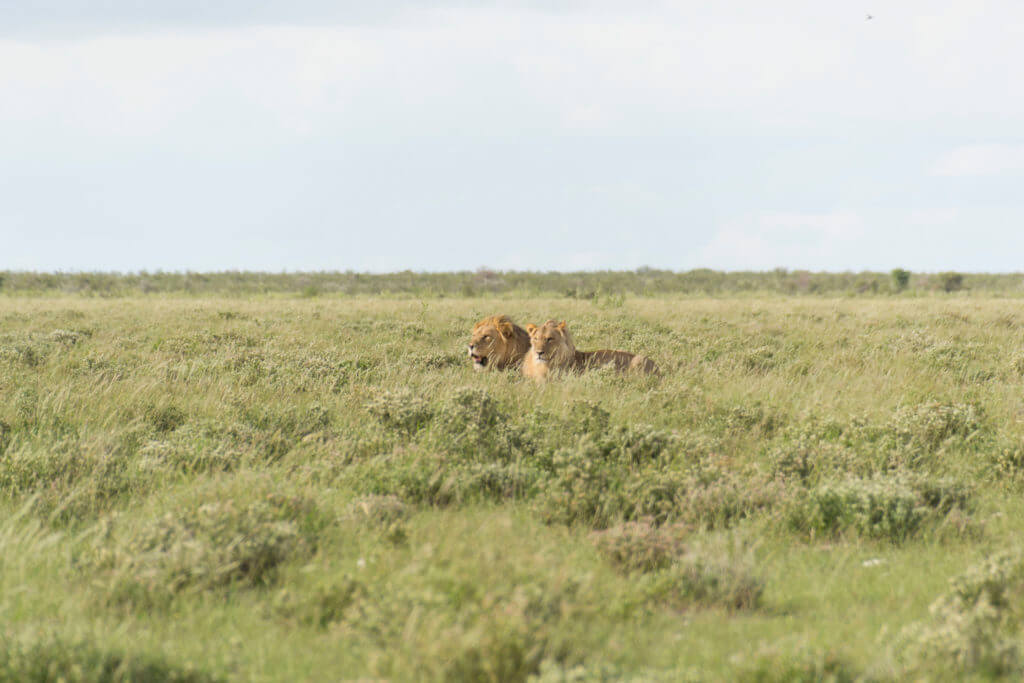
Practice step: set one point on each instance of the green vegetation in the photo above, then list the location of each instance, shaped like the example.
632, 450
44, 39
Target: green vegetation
318, 486
607, 289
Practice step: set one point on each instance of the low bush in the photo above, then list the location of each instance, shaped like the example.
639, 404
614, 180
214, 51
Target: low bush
321, 604
803, 664
975, 627
401, 411
640, 546
492, 634
892, 509
554, 672
929, 425
46, 658
708, 578
208, 546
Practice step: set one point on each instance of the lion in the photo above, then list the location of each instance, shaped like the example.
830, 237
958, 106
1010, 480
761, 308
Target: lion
498, 343
552, 349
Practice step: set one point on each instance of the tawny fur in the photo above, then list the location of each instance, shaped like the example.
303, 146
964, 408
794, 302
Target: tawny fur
498, 343
552, 350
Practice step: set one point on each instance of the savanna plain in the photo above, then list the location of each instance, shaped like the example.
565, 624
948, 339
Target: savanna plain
285, 487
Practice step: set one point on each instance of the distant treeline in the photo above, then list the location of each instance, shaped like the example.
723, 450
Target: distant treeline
483, 282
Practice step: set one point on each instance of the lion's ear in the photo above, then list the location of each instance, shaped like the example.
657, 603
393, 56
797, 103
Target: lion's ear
505, 328
530, 328
561, 325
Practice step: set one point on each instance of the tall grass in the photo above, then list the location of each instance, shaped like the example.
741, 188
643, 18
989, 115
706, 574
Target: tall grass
300, 488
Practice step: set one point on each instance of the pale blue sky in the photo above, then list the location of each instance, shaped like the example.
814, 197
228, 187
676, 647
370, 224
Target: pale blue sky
517, 135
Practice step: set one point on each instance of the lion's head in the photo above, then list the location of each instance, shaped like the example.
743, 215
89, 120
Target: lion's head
551, 344
497, 343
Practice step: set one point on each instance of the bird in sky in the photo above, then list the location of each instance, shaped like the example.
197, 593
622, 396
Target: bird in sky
868, 17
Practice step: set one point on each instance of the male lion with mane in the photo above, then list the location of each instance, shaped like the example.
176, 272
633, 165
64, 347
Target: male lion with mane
498, 343
552, 349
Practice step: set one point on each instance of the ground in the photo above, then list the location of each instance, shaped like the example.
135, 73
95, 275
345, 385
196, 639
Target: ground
320, 487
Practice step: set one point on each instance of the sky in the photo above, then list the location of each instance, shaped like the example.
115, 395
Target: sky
522, 135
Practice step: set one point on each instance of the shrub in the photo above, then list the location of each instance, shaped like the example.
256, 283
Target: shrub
603, 482
749, 417
588, 416
553, 672
379, 510
975, 627
320, 605
165, 418
582, 489
639, 546
891, 509
68, 338
54, 658
929, 425
807, 462
32, 466
401, 411
706, 578
193, 448
440, 361
209, 546
472, 425
802, 665
491, 635
950, 281
900, 279
385, 513
1017, 363
760, 360
722, 500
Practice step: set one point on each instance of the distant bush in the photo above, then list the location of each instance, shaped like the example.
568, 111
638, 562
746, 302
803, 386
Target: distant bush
950, 282
900, 279
606, 288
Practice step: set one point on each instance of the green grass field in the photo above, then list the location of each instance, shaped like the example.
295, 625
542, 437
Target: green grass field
321, 488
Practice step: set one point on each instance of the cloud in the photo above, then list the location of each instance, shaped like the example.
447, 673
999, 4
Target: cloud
796, 240
366, 126
984, 159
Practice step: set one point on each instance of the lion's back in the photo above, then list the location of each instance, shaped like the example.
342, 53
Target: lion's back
623, 361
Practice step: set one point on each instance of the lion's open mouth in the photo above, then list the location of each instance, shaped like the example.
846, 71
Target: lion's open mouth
479, 360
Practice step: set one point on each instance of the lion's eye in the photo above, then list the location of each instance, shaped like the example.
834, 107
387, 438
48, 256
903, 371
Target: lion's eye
550, 339
487, 337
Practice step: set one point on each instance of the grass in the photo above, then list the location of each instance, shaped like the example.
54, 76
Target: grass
310, 487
